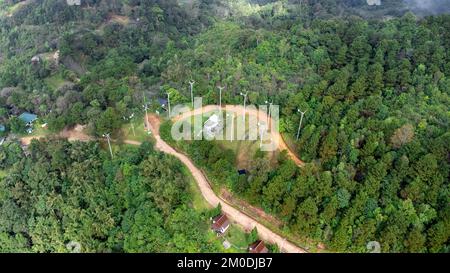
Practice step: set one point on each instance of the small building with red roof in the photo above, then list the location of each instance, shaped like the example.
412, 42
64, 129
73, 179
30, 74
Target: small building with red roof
258, 247
220, 224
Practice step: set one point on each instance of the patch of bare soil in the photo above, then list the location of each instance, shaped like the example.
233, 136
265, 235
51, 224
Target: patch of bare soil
76, 133
72, 134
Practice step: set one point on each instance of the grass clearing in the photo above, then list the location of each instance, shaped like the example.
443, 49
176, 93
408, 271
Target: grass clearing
140, 134
237, 237
38, 130
234, 235
243, 149
55, 82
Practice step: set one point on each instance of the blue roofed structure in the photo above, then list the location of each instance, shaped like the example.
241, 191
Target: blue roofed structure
163, 103
2, 128
28, 118
242, 172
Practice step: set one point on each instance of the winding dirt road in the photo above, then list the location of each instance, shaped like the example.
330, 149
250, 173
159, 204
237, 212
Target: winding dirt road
237, 216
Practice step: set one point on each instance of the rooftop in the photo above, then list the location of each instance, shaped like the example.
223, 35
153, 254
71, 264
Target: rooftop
163, 101
213, 126
242, 172
220, 221
258, 247
27, 117
2, 128
213, 121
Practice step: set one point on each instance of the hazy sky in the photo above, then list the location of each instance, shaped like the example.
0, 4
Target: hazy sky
434, 6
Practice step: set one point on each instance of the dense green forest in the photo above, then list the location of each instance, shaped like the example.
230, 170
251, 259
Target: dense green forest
64, 193
377, 133
375, 82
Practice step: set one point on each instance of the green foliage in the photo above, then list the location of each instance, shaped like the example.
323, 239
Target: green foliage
72, 192
216, 211
375, 135
376, 156
252, 236
17, 126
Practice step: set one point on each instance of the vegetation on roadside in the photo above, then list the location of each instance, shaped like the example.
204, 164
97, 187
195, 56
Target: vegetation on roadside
73, 192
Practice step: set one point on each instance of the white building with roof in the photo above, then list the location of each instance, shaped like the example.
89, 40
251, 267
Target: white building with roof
213, 126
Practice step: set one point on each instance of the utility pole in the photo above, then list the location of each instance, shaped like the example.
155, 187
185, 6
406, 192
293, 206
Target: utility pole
232, 126
146, 111
270, 112
168, 102
245, 104
261, 133
300, 125
220, 96
146, 116
191, 82
132, 124
130, 118
108, 137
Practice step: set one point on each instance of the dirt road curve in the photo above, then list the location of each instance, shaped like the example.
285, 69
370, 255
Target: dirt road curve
239, 110
242, 219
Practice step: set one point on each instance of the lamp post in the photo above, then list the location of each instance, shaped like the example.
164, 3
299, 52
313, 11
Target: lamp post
108, 137
220, 96
270, 112
232, 126
300, 125
191, 82
262, 129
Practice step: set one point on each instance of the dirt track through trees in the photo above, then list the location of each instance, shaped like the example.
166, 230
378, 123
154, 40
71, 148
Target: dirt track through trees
208, 194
